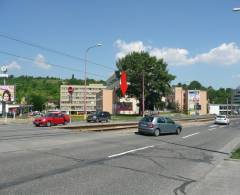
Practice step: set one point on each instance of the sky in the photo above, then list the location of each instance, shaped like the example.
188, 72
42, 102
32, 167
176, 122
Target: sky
199, 40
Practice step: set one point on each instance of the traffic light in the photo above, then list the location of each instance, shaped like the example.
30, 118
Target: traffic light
198, 106
117, 74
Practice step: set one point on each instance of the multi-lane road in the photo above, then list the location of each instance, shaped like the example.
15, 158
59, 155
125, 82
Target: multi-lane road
56, 161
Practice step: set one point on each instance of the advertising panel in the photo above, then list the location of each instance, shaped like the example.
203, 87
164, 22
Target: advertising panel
124, 106
7, 93
193, 99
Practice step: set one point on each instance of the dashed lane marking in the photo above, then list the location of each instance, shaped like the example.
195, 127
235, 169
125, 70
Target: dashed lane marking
213, 126
211, 129
130, 151
190, 135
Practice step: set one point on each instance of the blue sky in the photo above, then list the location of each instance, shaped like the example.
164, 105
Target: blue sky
200, 40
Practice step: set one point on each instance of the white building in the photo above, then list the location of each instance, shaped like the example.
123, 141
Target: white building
77, 102
224, 109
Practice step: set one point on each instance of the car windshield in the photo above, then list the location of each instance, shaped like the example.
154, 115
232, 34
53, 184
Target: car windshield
49, 115
147, 119
221, 116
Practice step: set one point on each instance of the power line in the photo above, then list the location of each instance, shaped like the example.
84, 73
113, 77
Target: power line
51, 50
55, 65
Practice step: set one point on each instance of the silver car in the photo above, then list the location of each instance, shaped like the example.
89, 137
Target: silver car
158, 124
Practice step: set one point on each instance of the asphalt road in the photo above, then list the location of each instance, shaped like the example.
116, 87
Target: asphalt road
56, 161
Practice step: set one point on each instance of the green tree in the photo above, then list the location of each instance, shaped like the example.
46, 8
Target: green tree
195, 85
156, 78
38, 101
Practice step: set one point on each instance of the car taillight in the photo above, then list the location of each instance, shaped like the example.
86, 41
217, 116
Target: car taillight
150, 125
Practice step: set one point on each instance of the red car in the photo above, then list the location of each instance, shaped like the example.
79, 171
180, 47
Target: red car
53, 118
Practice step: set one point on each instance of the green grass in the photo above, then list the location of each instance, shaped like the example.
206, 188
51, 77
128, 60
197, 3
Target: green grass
77, 117
236, 154
125, 117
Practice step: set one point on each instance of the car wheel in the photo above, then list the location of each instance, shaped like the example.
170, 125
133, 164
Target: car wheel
156, 132
178, 131
49, 124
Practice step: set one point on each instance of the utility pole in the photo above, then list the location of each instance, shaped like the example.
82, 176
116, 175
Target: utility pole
4, 103
143, 105
227, 106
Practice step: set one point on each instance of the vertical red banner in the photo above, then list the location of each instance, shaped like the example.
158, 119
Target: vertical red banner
123, 83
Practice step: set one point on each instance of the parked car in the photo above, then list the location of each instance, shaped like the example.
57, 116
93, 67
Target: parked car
222, 119
99, 117
35, 113
156, 125
53, 118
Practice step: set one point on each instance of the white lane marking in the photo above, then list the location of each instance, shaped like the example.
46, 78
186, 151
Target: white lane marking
221, 127
130, 151
213, 126
211, 129
190, 135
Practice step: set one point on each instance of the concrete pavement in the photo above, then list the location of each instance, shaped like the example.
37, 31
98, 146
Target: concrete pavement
224, 178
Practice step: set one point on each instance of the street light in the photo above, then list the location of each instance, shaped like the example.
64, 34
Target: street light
236, 9
85, 76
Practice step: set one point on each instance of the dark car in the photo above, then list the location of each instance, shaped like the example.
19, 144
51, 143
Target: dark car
99, 117
53, 118
158, 124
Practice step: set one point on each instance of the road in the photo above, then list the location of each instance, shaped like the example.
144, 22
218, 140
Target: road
56, 161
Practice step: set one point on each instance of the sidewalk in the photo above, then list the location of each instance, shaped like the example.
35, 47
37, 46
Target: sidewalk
224, 179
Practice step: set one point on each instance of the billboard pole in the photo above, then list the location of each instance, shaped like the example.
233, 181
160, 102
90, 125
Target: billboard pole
4, 75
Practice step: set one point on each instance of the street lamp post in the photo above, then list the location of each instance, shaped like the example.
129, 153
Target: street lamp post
85, 77
236, 9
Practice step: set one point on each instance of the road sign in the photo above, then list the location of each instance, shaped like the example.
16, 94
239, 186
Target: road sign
4, 75
70, 89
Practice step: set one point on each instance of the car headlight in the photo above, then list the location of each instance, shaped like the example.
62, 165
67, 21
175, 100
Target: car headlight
94, 117
44, 120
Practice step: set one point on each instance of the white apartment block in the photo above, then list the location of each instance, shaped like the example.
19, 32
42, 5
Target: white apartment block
77, 103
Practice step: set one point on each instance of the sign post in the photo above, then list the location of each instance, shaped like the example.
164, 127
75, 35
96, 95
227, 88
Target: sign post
70, 91
4, 75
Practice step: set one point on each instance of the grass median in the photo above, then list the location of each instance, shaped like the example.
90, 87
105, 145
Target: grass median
236, 154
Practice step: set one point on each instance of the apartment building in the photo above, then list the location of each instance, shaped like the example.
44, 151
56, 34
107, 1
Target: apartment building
194, 102
104, 100
75, 102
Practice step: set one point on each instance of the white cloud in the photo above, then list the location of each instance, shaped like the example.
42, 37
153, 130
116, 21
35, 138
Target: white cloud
41, 62
13, 65
173, 56
225, 54
126, 48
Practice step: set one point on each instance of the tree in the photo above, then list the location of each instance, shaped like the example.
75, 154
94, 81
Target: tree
156, 78
195, 85
38, 101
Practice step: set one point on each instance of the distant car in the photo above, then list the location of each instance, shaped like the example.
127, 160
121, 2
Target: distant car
156, 125
222, 119
99, 117
53, 118
35, 113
